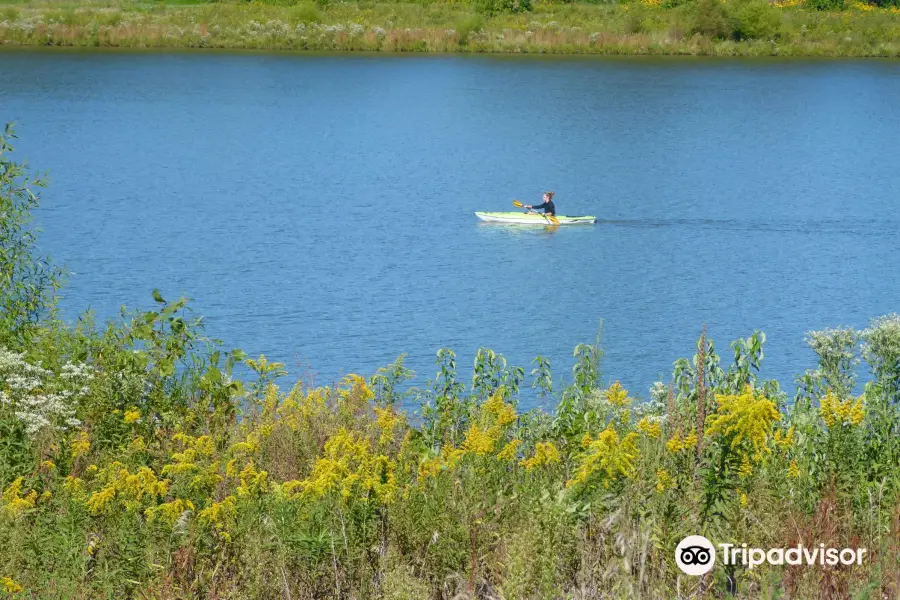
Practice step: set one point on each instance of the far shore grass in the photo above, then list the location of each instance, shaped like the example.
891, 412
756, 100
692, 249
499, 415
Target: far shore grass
697, 27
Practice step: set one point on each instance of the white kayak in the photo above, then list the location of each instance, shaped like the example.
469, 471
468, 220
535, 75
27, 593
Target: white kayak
519, 218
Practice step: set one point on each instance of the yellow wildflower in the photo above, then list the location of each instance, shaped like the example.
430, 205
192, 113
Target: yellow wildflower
650, 428
545, 453
744, 499
748, 417
80, 444
10, 586
253, 482
509, 450
586, 441
746, 469
836, 413
678, 443
785, 440
46, 496
73, 485
169, 512
348, 460
504, 413
663, 480
617, 395
48, 465
137, 444
218, 514
358, 386
479, 441
857, 414
387, 420
13, 501
607, 456
130, 488
451, 456
793, 470
429, 468
132, 415
248, 446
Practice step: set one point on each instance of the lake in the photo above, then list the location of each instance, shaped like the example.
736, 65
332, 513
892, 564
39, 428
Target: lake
319, 208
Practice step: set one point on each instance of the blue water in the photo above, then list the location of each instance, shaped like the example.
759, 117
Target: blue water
319, 208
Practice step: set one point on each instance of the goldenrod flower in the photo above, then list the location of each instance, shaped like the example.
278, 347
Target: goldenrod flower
13, 501
837, 413
48, 465
786, 440
387, 420
480, 441
746, 469
793, 470
253, 482
132, 415
132, 489
503, 413
509, 451
748, 417
650, 428
545, 453
10, 586
169, 512
608, 457
429, 468
743, 499
617, 395
678, 444
348, 461
80, 444
663, 480
218, 514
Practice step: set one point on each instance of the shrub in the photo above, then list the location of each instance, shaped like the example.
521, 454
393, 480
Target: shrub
468, 25
710, 18
27, 282
826, 4
497, 7
756, 20
305, 12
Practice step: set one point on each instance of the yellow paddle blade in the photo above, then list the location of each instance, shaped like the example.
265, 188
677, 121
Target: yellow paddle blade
553, 219
517, 204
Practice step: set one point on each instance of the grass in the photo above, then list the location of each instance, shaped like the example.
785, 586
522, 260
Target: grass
697, 27
135, 463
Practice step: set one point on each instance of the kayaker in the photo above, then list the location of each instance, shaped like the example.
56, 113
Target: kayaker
548, 206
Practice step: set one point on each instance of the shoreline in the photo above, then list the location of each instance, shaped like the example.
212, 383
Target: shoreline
395, 29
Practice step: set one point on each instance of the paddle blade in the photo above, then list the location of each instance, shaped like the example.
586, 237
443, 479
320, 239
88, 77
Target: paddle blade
554, 220
517, 204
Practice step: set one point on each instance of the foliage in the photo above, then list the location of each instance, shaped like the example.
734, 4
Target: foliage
133, 463
756, 20
27, 282
710, 18
491, 8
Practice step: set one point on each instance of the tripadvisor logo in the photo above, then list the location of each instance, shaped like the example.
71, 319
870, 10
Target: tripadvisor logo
695, 555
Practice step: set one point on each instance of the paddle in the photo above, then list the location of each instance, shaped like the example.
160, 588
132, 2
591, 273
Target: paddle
550, 218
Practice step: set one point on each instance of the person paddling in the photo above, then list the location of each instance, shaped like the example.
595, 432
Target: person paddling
547, 205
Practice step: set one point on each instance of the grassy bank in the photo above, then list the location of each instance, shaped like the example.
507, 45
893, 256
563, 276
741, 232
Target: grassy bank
693, 27
135, 464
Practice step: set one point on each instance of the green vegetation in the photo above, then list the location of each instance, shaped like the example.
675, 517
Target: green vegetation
695, 27
134, 463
